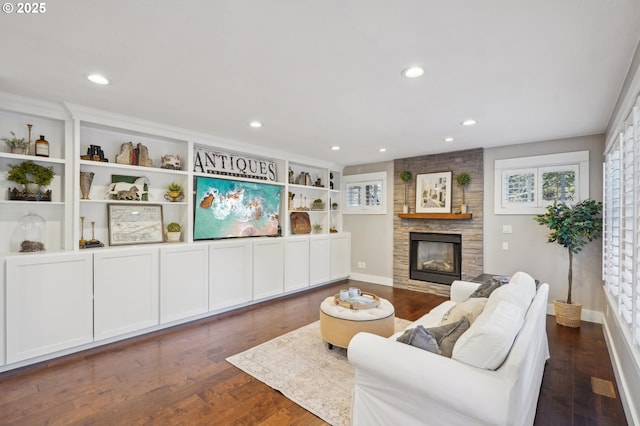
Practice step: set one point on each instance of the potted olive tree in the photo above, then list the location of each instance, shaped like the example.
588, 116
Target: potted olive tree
572, 227
463, 179
405, 176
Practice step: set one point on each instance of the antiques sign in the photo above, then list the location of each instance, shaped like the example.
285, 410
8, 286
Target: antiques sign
219, 163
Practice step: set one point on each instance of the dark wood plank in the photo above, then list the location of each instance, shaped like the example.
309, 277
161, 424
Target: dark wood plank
180, 376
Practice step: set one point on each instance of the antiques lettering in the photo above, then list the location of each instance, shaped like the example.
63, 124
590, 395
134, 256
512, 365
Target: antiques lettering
233, 165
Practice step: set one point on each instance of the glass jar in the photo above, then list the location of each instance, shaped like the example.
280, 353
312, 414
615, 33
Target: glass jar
30, 233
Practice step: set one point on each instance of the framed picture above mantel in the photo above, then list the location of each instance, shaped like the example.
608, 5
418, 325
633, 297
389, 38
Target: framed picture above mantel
433, 192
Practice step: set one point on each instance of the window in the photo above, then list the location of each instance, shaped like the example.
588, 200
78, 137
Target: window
620, 257
365, 193
527, 185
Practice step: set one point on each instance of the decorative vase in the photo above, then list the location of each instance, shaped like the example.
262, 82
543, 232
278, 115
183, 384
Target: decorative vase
405, 209
567, 314
86, 178
174, 196
32, 188
464, 208
173, 237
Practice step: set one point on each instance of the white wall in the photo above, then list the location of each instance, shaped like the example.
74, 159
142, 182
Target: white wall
372, 234
528, 249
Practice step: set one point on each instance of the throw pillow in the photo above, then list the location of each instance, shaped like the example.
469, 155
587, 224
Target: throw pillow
448, 334
488, 342
420, 338
485, 289
470, 308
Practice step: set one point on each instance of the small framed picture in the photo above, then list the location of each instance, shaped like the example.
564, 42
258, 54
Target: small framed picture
433, 193
135, 224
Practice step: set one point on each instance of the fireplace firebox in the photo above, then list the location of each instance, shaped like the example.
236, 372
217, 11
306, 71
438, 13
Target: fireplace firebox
435, 257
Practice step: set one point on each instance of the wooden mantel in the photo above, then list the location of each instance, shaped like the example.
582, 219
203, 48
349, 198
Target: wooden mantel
437, 216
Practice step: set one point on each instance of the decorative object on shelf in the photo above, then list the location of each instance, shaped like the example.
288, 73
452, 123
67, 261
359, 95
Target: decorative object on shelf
135, 224
29, 127
227, 208
291, 197
126, 154
218, 163
17, 145
333, 229
82, 241
128, 188
173, 232
174, 192
463, 179
317, 204
93, 242
405, 176
300, 223
318, 183
30, 233
142, 156
171, 161
94, 153
317, 228
572, 227
41, 147
433, 193
334, 206
330, 180
291, 178
86, 178
138, 156
34, 179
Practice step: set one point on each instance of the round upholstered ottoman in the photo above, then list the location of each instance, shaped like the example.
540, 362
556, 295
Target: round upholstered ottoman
339, 324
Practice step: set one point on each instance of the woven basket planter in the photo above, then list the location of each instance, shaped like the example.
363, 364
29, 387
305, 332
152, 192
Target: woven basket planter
567, 315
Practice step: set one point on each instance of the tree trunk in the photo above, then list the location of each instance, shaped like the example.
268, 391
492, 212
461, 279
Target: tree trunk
570, 277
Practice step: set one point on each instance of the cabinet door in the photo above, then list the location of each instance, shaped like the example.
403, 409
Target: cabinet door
268, 268
49, 304
340, 255
184, 281
230, 264
126, 291
296, 263
2, 312
319, 259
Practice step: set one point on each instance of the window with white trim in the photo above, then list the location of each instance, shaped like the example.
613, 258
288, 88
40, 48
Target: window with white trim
621, 259
364, 193
527, 185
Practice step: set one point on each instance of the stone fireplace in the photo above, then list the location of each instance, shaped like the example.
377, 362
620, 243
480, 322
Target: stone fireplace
435, 257
469, 229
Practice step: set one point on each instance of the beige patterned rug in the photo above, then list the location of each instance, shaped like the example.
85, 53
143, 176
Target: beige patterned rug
301, 367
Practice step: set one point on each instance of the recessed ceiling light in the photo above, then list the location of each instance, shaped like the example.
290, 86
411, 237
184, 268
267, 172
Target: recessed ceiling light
383, 150
335, 148
413, 72
469, 122
98, 79
449, 139
255, 124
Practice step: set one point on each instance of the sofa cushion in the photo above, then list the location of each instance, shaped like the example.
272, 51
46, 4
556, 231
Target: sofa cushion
448, 334
520, 291
487, 343
470, 308
420, 338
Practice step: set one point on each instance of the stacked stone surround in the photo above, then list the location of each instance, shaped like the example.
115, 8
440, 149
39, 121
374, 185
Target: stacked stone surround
470, 161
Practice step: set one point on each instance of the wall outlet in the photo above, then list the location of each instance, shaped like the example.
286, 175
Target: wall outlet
361, 264
505, 245
507, 229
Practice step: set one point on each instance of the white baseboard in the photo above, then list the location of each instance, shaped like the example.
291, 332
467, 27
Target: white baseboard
586, 315
375, 279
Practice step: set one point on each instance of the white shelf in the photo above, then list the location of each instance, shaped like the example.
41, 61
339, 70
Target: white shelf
35, 158
133, 168
166, 203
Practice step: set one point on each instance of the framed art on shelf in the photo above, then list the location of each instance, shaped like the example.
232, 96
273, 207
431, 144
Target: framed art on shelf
433, 193
135, 224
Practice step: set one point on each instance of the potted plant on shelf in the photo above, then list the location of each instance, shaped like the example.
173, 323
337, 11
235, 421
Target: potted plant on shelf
34, 178
572, 227
174, 192
17, 145
317, 204
405, 176
317, 228
463, 179
173, 232
334, 206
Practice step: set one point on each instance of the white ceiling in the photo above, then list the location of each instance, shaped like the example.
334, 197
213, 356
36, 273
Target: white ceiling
327, 72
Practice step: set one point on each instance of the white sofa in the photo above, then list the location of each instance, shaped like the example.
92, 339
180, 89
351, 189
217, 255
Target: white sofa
399, 384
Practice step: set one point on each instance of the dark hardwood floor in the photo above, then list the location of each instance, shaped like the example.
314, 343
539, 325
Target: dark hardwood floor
180, 377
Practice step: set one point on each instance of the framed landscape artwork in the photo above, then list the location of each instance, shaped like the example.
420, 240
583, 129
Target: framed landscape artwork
226, 208
433, 193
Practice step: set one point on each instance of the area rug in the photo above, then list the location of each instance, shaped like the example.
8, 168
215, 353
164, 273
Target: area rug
301, 367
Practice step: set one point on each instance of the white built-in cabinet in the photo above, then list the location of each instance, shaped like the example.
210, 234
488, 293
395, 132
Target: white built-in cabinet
126, 291
296, 263
67, 297
184, 281
268, 269
230, 273
49, 304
